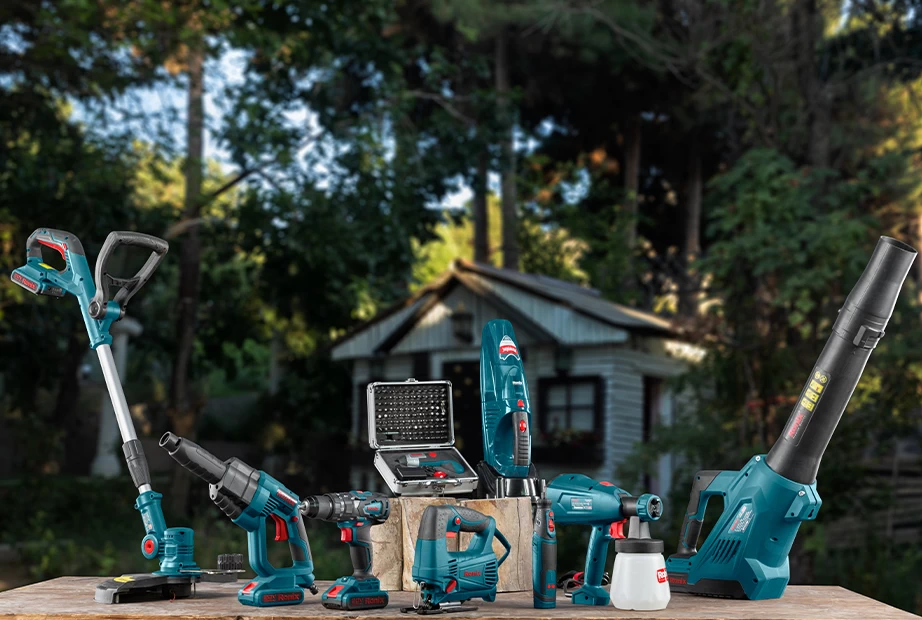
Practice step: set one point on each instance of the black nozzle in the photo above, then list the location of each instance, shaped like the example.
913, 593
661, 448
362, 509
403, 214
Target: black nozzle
317, 507
860, 325
194, 458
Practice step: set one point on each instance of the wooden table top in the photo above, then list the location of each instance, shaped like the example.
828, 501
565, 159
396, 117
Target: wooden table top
72, 598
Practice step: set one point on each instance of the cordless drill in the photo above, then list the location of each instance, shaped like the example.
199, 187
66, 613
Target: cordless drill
764, 503
580, 499
354, 513
249, 497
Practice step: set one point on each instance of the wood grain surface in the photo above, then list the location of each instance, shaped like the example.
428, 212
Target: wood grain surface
72, 598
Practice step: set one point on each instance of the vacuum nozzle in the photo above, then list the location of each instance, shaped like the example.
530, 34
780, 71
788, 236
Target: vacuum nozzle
194, 458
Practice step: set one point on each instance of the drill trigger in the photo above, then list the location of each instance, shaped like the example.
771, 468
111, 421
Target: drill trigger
281, 528
617, 529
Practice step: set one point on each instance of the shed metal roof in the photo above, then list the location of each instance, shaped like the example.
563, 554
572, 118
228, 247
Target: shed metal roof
550, 310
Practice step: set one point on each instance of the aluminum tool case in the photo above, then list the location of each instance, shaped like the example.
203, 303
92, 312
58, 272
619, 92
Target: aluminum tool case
415, 419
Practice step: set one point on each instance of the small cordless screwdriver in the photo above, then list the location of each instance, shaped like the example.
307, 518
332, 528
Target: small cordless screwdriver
354, 513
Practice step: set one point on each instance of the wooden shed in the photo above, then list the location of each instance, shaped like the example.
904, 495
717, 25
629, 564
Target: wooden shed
597, 371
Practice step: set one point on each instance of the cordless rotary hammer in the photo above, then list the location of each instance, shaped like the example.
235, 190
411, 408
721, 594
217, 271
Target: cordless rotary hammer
354, 513
249, 498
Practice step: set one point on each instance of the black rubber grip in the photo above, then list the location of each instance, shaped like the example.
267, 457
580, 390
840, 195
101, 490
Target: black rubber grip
361, 554
434, 523
691, 527
521, 446
127, 286
137, 463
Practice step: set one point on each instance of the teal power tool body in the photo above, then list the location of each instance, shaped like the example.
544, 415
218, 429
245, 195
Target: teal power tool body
250, 498
354, 513
172, 547
544, 557
746, 553
506, 470
448, 578
578, 499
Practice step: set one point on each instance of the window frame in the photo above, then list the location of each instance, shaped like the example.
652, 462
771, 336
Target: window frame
544, 387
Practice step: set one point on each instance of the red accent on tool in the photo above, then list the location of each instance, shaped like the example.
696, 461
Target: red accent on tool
281, 530
522, 426
457, 520
148, 546
550, 523
334, 591
294, 519
249, 587
606, 484
345, 535
451, 534
617, 530
54, 246
440, 474
451, 586
521, 404
432, 455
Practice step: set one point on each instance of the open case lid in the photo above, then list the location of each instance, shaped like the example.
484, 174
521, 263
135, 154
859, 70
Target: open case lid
410, 414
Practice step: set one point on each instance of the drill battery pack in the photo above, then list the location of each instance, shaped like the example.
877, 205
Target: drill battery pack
411, 428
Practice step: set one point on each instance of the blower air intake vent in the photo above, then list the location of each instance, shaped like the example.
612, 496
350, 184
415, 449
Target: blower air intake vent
725, 550
491, 575
453, 567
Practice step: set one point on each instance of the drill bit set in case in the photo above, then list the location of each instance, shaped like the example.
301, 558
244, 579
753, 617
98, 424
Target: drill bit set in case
411, 428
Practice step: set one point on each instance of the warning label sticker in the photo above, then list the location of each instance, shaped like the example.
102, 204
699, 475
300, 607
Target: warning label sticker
809, 400
581, 503
742, 520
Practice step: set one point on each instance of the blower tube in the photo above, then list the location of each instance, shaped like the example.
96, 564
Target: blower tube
860, 325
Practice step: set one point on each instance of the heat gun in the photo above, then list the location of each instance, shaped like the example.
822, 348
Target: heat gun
507, 470
451, 577
100, 308
354, 513
249, 498
578, 499
746, 553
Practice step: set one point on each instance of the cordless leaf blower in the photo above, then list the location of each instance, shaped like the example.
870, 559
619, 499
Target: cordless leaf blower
746, 553
507, 470
172, 547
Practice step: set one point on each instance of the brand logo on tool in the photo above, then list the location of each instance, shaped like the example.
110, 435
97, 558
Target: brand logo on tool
472, 573
679, 579
288, 499
281, 596
23, 281
507, 347
661, 575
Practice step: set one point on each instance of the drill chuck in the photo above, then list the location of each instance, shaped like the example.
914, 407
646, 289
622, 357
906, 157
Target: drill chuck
194, 458
322, 507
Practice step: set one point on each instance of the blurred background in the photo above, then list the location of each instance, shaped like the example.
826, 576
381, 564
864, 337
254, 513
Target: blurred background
669, 199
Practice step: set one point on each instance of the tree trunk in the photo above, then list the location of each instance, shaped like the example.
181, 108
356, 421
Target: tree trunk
182, 409
69, 419
693, 189
507, 165
481, 214
632, 142
807, 24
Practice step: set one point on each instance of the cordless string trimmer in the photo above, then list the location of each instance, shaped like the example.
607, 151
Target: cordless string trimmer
746, 553
173, 547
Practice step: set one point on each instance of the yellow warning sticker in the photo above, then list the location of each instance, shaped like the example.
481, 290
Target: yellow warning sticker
816, 387
124, 579
812, 395
807, 404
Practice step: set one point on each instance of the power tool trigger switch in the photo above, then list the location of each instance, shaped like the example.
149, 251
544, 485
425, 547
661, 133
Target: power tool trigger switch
617, 530
281, 530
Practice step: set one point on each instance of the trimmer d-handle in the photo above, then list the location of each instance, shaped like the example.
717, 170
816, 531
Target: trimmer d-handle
127, 287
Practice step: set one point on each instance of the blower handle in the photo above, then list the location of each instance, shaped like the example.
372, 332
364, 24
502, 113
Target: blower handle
127, 286
505, 543
694, 514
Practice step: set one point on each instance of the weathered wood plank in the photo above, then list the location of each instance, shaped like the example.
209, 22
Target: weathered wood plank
72, 598
514, 520
387, 548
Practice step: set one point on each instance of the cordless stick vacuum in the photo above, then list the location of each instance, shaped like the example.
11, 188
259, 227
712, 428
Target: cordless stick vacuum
746, 553
507, 470
173, 547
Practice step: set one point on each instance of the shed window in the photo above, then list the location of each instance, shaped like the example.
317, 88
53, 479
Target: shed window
570, 403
